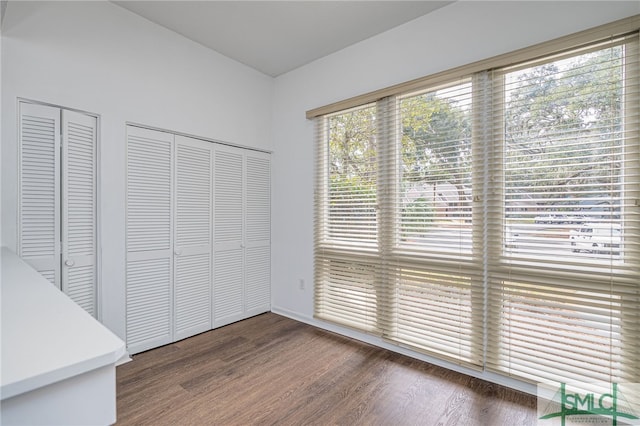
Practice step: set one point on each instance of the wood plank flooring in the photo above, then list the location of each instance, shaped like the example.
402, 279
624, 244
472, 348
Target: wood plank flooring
271, 370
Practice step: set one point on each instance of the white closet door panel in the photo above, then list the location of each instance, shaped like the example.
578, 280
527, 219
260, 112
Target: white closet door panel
79, 133
258, 195
228, 291
193, 193
228, 267
192, 242
39, 189
149, 190
149, 299
258, 233
229, 206
258, 279
192, 295
149, 238
80, 286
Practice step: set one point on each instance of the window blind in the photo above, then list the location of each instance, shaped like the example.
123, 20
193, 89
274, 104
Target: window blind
492, 219
563, 250
346, 238
434, 277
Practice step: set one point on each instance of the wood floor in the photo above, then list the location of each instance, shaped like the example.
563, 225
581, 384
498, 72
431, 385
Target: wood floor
271, 370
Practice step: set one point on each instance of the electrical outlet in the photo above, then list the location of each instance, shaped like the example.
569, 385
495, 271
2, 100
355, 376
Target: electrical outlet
301, 283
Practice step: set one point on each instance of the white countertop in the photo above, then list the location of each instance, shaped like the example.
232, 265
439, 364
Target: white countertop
45, 336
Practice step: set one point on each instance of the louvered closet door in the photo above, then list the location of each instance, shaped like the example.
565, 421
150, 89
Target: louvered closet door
149, 238
258, 233
228, 267
79, 208
39, 189
192, 241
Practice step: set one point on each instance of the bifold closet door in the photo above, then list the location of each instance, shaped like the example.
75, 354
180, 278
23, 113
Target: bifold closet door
149, 238
258, 233
79, 221
58, 198
228, 257
198, 236
39, 189
242, 234
192, 241
169, 196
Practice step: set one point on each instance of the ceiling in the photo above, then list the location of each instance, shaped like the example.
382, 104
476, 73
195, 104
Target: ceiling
275, 37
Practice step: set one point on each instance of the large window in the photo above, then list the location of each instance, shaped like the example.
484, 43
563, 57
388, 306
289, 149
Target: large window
492, 219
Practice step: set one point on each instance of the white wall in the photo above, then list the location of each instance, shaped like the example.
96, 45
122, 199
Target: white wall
98, 57
458, 34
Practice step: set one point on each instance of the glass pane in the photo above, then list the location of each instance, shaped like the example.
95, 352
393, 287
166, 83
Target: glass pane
352, 176
435, 161
563, 159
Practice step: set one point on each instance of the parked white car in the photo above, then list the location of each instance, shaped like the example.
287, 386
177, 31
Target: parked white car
604, 238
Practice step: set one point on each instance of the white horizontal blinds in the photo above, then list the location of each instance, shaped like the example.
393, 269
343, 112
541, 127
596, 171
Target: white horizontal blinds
192, 239
497, 223
564, 270
563, 157
346, 293
437, 311
258, 233
79, 208
228, 282
630, 206
436, 302
394, 222
347, 264
352, 163
39, 189
149, 238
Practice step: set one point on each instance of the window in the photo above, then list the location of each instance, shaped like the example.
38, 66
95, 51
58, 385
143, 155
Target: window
568, 218
491, 217
347, 219
433, 261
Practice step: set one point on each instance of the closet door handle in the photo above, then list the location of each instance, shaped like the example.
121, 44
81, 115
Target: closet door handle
69, 263
178, 252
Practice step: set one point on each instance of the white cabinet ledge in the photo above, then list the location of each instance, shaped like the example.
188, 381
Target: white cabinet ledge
58, 362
